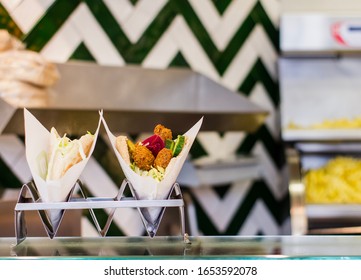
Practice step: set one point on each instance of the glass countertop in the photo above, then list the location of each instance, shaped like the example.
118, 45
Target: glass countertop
202, 247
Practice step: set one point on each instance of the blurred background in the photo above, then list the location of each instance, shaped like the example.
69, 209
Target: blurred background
234, 43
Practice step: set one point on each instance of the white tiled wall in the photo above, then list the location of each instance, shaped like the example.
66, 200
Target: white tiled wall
333, 6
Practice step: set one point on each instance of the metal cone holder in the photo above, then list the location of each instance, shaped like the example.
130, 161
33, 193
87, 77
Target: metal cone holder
29, 200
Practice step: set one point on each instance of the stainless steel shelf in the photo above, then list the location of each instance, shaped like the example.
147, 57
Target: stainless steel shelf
134, 99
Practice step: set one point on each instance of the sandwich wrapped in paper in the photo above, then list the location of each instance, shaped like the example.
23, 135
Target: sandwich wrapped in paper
56, 162
151, 166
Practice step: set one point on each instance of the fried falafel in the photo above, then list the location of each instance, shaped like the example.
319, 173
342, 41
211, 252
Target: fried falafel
143, 157
163, 132
163, 158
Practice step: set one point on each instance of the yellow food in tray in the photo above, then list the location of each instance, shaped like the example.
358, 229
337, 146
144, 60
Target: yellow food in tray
341, 123
339, 181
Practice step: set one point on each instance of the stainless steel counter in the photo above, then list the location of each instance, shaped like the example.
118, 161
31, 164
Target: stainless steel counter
204, 247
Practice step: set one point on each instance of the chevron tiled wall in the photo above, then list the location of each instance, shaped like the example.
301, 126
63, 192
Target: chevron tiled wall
233, 42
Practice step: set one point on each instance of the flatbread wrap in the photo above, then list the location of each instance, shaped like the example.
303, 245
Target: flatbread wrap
149, 181
55, 162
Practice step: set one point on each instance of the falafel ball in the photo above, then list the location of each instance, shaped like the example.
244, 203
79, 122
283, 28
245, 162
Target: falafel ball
163, 158
163, 132
143, 157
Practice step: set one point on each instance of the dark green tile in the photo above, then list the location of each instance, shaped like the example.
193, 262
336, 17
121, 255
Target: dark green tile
221, 5
184, 9
205, 224
222, 190
8, 178
258, 191
132, 53
82, 53
151, 35
179, 61
197, 150
109, 25
247, 144
259, 74
134, 2
49, 24
235, 45
247, 84
274, 148
259, 15
6, 22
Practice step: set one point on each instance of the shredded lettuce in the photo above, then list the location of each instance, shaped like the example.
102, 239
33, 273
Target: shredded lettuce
64, 145
157, 173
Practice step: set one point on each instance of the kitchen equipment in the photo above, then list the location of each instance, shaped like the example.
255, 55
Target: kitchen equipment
320, 82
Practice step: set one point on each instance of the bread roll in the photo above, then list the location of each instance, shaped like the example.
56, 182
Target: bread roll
8, 42
122, 147
27, 66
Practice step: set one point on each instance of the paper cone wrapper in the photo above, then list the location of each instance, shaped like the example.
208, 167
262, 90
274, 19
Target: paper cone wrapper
37, 139
148, 188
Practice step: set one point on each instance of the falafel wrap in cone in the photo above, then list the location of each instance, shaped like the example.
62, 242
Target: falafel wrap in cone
56, 162
153, 165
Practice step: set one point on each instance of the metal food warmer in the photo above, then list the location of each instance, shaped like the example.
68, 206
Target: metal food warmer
320, 84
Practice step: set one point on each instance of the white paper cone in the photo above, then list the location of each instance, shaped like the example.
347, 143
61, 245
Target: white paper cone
37, 142
146, 187
55, 217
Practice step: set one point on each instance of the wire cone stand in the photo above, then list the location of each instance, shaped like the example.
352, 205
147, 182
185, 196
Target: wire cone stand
29, 200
